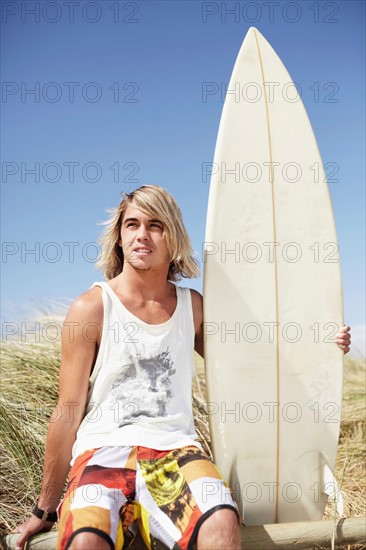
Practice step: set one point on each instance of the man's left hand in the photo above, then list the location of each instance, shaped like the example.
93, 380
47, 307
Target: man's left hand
344, 338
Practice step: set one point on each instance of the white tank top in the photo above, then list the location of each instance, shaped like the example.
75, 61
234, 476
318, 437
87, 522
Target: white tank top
140, 390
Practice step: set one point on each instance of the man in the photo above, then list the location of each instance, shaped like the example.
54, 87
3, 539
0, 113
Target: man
125, 396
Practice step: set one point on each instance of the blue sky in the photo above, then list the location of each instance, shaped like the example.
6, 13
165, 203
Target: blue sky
118, 103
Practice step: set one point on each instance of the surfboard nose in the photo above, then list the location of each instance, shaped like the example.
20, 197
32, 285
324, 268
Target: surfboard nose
250, 34
255, 34
252, 41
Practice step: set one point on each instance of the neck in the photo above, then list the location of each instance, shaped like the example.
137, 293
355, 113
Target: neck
147, 284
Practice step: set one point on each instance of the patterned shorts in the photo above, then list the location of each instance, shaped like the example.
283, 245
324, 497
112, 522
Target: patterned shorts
127, 493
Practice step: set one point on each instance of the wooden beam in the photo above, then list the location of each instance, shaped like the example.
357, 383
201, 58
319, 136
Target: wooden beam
284, 536
304, 534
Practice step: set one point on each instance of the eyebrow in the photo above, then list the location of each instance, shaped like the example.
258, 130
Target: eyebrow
136, 220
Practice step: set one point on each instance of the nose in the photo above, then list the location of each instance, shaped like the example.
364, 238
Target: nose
142, 233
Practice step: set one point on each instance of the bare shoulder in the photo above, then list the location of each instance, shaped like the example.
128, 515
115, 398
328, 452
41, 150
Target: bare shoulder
87, 307
81, 336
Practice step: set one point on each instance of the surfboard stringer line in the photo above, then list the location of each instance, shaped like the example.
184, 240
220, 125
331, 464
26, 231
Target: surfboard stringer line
276, 278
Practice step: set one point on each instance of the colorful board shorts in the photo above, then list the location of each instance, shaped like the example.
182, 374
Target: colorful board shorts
127, 493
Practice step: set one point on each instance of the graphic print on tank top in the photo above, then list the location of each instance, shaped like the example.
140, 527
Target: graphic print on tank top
142, 388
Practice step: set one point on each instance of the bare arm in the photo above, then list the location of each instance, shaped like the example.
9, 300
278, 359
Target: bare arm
197, 306
80, 336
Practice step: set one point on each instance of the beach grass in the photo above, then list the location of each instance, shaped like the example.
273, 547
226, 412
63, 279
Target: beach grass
29, 380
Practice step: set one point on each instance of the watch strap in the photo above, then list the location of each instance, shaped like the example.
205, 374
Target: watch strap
44, 515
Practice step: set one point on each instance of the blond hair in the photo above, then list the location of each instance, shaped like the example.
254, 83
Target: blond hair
158, 203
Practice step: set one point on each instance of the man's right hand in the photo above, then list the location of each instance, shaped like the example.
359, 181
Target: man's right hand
30, 527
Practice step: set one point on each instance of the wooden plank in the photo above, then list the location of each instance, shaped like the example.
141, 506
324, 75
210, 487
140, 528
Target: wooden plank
286, 536
305, 534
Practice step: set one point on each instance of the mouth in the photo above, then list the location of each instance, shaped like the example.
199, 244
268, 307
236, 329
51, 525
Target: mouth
142, 250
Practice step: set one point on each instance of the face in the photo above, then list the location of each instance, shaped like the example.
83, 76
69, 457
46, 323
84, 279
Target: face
142, 240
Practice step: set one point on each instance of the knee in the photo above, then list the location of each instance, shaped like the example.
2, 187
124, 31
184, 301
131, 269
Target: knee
220, 530
222, 519
85, 540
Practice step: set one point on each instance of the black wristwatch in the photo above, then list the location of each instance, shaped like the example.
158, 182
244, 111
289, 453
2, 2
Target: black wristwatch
43, 515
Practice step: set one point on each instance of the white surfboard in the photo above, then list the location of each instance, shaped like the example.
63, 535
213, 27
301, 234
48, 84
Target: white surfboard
272, 299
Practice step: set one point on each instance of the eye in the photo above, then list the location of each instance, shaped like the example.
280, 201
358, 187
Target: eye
131, 224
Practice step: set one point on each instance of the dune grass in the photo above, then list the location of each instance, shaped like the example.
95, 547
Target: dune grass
29, 376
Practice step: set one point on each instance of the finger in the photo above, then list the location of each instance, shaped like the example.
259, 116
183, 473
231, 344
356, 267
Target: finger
345, 335
345, 348
20, 542
24, 535
344, 342
345, 328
